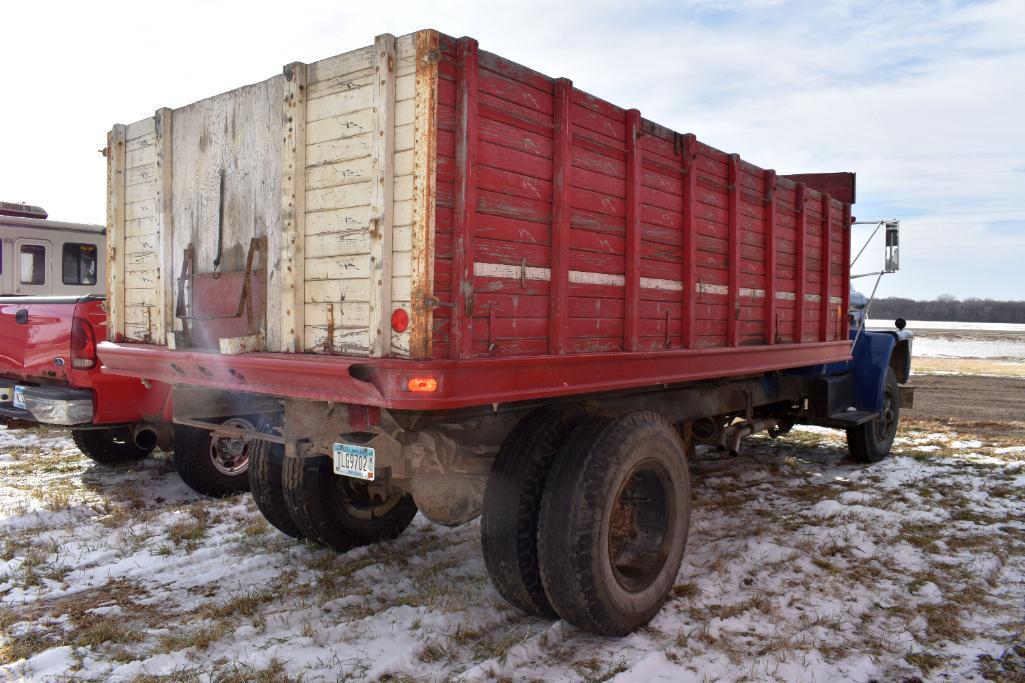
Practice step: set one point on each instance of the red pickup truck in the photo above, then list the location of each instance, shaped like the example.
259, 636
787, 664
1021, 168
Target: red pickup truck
49, 371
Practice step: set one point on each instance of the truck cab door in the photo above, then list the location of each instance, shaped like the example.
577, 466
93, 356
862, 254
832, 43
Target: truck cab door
31, 268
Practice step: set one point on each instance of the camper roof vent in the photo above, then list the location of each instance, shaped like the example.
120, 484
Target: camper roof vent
22, 210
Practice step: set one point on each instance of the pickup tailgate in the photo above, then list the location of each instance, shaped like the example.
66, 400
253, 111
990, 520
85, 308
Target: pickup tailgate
35, 336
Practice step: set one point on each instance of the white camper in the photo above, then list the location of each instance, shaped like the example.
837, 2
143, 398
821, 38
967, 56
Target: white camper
41, 257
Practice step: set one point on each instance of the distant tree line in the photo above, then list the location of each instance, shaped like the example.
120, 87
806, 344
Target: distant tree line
949, 309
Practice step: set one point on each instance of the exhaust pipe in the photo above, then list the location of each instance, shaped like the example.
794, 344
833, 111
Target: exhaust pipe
730, 438
144, 436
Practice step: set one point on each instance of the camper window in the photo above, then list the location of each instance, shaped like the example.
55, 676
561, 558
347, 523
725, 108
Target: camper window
33, 264
78, 264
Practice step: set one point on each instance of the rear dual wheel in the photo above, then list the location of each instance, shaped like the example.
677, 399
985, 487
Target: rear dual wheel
341, 512
215, 466
605, 536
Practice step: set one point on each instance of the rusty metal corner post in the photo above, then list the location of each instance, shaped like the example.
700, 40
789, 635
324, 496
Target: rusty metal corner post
770, 257
425, 144
802, 265
632, 275
292, 244
562, 168
733, 209
463, 252
689, 159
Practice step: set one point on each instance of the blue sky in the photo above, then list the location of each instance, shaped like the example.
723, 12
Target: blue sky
924, 100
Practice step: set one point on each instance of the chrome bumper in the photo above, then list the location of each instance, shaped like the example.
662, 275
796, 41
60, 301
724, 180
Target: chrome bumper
53, 405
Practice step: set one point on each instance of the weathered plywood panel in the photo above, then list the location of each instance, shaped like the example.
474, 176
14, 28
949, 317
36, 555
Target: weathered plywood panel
320, 163
238, 135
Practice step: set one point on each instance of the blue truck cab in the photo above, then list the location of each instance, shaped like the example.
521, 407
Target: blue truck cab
864, 395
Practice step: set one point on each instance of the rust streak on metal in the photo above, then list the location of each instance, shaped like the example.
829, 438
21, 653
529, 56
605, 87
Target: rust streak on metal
425, 140
329, 340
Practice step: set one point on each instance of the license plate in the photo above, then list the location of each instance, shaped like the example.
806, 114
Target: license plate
354, 461
19, 397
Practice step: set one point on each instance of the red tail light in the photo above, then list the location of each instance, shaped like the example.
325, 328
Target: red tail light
83, 344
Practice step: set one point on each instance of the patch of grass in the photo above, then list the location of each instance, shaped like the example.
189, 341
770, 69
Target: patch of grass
922, 534
99, 630
595, 671
190, 531
432, 651
943, 621
924, 661
199, 638
685, 591
244, 604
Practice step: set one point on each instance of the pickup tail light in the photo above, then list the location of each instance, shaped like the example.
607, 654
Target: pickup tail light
83, 344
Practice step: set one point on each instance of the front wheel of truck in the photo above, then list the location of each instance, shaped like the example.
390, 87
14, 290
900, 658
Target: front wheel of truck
872, 441
213, 466
341, 512
108, 446
614, 522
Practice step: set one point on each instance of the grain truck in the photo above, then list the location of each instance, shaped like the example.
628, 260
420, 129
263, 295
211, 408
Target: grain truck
434, 279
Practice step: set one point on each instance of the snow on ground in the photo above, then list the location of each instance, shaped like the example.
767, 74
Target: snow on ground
800, 566
946, 325
1001, 342
960, 347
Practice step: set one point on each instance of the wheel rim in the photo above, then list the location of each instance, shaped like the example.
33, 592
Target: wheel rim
641, 525
886, 425
230, 454
365, 500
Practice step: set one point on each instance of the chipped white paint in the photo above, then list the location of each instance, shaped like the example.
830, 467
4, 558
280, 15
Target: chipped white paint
511, 272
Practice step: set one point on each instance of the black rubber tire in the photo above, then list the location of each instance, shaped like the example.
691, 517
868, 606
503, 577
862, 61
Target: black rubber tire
871, 442
108, 446
585, 495
195, 465
324, 506
266, 461
512, 506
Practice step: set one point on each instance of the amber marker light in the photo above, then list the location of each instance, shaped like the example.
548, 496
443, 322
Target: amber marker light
422, 385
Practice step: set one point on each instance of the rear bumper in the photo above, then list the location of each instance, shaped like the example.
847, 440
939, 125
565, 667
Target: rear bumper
52, 405
383, 382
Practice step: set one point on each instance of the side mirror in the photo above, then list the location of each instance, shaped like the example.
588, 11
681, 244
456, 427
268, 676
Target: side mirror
892, 264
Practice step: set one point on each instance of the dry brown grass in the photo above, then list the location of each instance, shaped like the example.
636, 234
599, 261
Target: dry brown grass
968, 366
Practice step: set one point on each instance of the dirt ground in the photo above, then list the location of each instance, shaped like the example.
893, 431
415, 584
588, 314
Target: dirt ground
969, 398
